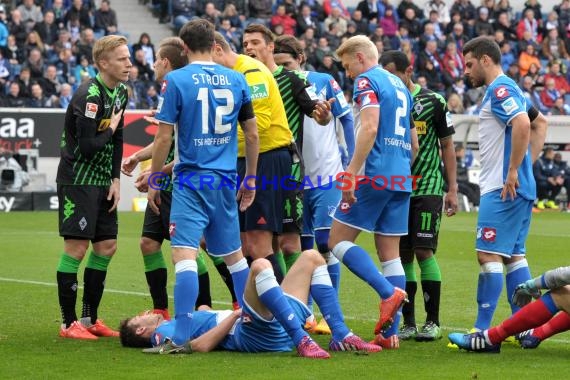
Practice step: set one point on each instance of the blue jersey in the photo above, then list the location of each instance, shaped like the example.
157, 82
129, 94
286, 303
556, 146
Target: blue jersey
391, 154
204, 100
326, 87
202, 321
503, 101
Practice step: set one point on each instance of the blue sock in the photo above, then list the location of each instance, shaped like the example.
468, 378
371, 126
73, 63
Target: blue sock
517, 273
273, 298
394, 272
239, 272
307, 242
322, 240
185, 295
325, 296
359, 263
489, 289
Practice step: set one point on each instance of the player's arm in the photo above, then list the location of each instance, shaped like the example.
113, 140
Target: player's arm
538, 127
445, 130
414, 140
306, 98
162, 142
347, 122
213, 337
552, 279
130, 163
90, 142
248, 124
369, 117
114, 193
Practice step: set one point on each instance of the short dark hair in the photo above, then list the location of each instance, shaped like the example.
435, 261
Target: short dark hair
481, 46
129, 337
398, 58
288, 45
198, 35
259, 28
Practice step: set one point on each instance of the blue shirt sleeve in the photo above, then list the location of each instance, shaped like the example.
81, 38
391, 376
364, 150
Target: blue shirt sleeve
169, 104
507, 102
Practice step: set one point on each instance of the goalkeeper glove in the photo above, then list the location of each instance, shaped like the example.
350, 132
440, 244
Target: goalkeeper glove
525, 292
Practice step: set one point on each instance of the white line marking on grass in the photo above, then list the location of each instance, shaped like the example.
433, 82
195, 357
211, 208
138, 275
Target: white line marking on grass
143, 294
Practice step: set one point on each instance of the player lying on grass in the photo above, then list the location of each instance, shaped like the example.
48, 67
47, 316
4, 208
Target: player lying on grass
272, 318
554, 306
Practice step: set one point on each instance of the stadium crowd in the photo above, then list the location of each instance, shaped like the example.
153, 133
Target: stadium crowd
45, 46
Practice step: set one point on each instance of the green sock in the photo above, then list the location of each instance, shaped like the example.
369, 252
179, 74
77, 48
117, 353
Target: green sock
154, 261
68, 264
281, 261
217, 260
98, 262
430, 270
290, 259
201, 261
410, 272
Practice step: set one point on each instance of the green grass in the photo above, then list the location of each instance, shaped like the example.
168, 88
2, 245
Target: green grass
29, 315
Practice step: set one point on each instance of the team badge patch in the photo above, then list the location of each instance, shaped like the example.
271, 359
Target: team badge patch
501, 92
163, 87
91, 110
335, 85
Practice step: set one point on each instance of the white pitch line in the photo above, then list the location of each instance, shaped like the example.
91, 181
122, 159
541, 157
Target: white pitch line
142, 294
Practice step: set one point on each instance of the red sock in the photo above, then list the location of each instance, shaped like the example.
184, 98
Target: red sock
532, 315
559, 323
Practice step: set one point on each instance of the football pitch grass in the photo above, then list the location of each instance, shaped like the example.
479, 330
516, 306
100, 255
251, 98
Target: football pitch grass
30, 319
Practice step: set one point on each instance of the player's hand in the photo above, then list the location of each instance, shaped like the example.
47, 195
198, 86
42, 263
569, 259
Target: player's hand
348, 191
322, 111
510, 186
128, 165
246, 193
114, 194
525, 292
141, 182
151, 119
451, 202
154, 200
116, 118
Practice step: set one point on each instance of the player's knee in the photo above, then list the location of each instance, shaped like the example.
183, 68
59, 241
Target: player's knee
106, 247
423, 253
203, 244
149, 245
313, 256
258, 265
340, 249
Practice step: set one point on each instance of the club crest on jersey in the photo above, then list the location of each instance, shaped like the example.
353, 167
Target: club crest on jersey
163, 87
172, 229
362, 84
488, 234
91, 110
418, 107
501, 92
509, 106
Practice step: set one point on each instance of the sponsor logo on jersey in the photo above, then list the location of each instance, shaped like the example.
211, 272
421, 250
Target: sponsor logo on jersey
91, 110
421, 127
509, 106
501, 92
362, 84
103, 124
344, 207
258, 91
335, 85
489, 234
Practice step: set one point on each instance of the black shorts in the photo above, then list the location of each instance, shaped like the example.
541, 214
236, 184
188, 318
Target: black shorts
266, 211
84, 213
293, 211
156, 227
423, 223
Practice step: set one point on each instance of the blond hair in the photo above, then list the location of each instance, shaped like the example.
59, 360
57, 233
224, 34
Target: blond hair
106, 45
358, 44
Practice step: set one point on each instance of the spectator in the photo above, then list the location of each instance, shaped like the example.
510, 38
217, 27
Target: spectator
550, 93
151, 98
211, 13
83, 70
455, 105
553, 47
438, 27
4, 32
535, 6
47, 29
564, 171
467, 12
430, 54
231, 13
410, 21
555, 72
563, 10
336, 17
529, 24
63, 41
406, 48
146, 72
79, 12
369, 10
527, 58
59, 12
322, 49
35, 63
441, 8
105, 20
146, 45
5, 72
507, 56
514, 72
527, 87
429, 35
548, 180
552, 22
504, 6
14, 97
560, 108
260, 11
361, 23
65, 65
536, 75
65, 95
389, 23
25, 82
482, 25
51, 83
30, 12
137, 88
328, 6
33, 41
457, 36
84, 46
183, 11
15, 55
38, 99
286, 21
409, 4
333, 36
18, 28
469, 189
503, 23
306, 20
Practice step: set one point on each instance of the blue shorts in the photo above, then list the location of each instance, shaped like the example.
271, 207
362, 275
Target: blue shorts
502, 226
318, 207
204, 211
383, 212
256, 334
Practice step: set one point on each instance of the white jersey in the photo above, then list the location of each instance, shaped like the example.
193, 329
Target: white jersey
321, 153
503, 101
